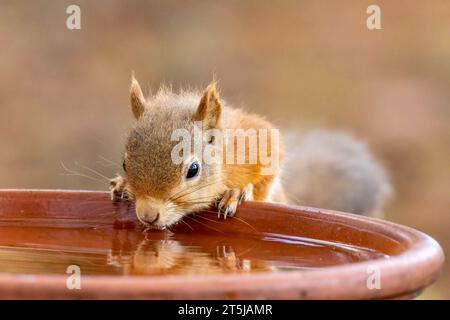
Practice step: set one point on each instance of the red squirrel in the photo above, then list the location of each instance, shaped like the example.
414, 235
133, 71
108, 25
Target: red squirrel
322, 169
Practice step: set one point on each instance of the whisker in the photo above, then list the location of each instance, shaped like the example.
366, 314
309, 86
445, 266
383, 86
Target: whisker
192, 190
83, 176
209, 200
112, 163
209, 197
246, 223
212, 220
92, 170
234, 217
187, 224
189, 217
79, 174
189, 205
176, 195
181, 219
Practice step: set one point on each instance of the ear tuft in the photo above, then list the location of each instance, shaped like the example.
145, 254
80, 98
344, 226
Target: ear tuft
210, 107
137, 98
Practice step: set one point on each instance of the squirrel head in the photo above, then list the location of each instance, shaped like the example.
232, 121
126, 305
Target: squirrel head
163, 189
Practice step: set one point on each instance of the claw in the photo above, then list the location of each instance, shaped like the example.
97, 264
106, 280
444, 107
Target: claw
219, 210
242, 197
118, 187
230, 200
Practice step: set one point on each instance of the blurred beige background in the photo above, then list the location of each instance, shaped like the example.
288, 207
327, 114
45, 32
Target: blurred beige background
64, 94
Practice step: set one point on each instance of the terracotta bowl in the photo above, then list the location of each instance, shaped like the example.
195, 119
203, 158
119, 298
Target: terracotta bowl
269, 251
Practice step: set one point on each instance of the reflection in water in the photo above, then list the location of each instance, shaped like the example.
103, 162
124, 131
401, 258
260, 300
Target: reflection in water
155, 257
134, 252
180, 254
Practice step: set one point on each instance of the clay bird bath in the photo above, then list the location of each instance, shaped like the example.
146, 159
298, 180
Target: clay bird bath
266, 251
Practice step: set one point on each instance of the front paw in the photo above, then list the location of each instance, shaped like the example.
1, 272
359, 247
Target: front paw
118, 187
231, 199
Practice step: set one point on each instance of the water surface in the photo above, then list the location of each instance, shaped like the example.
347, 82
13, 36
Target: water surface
107, 251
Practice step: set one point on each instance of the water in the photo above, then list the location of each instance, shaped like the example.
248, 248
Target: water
107, 251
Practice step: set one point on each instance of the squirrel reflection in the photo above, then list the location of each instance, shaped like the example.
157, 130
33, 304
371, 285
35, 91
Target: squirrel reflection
158, 256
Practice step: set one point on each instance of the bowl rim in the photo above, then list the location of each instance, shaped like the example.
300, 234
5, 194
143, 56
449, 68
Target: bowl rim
402, 275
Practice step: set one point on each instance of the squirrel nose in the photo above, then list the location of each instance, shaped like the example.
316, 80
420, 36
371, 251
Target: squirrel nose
148, 216
148, 211
156, 219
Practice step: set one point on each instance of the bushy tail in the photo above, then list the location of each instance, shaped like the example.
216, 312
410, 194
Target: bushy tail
334, 171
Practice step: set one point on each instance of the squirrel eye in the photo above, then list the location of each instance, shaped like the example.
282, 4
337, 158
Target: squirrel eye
124, 166
193, 170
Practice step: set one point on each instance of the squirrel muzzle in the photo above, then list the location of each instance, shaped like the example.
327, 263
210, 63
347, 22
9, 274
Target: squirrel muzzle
150, 211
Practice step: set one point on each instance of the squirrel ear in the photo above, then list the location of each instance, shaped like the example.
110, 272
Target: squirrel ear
137, 98
210, 107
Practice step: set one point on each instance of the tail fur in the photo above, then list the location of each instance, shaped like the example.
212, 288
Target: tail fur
334, 171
